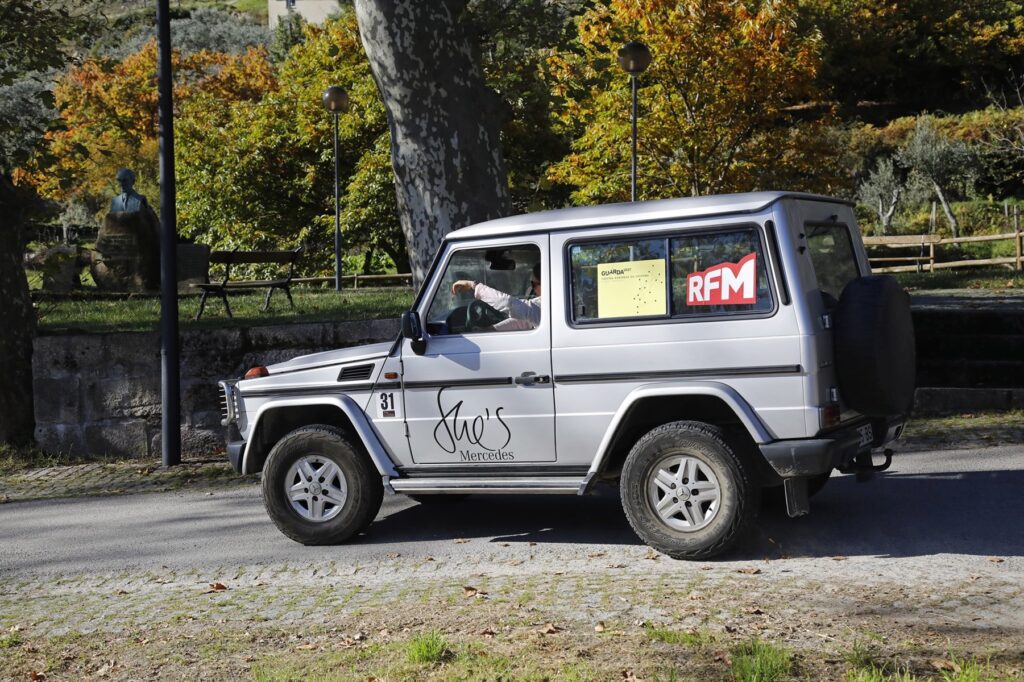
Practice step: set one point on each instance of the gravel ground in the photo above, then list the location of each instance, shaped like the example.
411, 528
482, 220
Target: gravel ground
911, 571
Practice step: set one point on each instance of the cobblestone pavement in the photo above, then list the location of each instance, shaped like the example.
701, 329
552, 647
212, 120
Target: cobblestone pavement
116, 478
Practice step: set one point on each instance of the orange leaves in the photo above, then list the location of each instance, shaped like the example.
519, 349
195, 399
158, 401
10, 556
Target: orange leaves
714, 104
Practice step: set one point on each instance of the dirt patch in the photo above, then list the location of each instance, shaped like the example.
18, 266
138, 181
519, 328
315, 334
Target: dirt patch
649, 618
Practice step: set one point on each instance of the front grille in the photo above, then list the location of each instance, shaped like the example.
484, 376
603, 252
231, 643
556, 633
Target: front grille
228, 403
356, 373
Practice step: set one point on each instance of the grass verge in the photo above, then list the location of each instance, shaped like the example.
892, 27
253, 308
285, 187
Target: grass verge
965, 278
758, 661
142, 313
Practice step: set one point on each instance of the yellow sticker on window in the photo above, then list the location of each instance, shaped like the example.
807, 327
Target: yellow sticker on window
631, 289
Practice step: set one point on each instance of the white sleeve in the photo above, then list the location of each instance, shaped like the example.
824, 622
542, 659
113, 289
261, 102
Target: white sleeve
528, 311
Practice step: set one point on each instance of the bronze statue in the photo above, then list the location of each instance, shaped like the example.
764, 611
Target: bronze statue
128, 201
127, 256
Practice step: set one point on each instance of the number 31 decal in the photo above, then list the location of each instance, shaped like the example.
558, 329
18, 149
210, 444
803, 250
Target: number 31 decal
387, 407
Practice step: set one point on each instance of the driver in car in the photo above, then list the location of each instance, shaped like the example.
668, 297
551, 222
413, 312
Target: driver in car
522, 314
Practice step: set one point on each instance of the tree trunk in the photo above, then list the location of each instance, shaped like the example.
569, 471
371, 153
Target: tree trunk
445, 150
954, 226
17, 415
886, 214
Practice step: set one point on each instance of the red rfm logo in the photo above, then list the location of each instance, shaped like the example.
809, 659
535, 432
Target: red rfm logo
724, 284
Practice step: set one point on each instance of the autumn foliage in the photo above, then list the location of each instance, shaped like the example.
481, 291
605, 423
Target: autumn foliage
109, 116
717, 104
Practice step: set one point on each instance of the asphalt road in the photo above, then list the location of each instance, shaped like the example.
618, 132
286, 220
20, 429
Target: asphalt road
961, 504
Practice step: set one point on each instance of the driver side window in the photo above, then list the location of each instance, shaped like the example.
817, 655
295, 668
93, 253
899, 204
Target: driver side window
504, 270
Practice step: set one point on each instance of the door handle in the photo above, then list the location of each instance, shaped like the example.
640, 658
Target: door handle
531, 378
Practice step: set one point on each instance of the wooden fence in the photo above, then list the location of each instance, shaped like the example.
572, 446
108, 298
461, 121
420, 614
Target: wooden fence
356, 280
924, 258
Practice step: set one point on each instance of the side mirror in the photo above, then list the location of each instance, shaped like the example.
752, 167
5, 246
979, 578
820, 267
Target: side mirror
413, 330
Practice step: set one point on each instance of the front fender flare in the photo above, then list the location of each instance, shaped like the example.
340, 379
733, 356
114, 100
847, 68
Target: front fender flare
727, 394
363, 429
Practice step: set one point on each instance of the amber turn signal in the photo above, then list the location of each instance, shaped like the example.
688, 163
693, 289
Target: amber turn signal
257, 372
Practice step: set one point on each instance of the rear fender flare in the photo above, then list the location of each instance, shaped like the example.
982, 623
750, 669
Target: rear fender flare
728, 395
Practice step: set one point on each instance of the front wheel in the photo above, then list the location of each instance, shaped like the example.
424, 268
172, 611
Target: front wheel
318, 488
686, 492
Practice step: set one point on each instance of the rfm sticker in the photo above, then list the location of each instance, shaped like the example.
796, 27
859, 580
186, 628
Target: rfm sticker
724, 284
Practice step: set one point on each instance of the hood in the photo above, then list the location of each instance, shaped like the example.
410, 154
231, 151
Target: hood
332, 357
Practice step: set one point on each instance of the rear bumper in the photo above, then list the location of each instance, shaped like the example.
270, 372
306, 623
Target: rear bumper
835, 450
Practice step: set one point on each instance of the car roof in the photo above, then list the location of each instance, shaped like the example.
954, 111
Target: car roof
626, 213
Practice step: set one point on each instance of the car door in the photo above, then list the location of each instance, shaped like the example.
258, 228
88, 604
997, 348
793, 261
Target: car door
481, 392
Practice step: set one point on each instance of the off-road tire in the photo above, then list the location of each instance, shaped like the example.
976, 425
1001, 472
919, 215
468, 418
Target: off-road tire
739, 491
365, 489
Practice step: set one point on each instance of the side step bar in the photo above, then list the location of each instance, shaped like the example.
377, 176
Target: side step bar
441, 486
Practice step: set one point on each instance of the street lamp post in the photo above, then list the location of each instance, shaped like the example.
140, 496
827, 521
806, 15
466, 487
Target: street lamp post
634, 58
336, 100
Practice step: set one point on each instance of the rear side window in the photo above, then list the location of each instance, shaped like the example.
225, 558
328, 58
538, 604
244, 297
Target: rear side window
679, 276
831, 250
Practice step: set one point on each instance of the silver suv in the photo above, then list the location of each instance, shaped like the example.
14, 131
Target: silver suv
695, 352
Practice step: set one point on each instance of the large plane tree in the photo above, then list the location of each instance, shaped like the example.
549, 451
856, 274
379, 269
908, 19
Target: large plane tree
32, 34
444, 121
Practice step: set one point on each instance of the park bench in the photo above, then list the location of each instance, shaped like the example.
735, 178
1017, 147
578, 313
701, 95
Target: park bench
231, 258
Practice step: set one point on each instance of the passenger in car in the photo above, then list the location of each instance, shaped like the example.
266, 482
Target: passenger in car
522, 314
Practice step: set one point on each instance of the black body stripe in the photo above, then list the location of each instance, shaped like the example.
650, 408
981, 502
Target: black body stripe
676, 374
463, 383
308, 390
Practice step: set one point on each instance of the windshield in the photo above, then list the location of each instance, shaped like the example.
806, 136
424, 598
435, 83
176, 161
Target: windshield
834, 261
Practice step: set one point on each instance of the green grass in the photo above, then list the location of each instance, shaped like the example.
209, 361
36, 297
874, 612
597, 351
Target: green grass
694, 639
876, 674
963, 278
430, 647
10, 640
94, 314
757, 661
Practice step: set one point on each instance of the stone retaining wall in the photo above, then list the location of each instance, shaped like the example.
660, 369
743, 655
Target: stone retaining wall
100, 393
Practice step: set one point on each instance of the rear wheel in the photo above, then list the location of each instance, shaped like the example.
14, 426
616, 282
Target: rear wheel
686, 492
318, 488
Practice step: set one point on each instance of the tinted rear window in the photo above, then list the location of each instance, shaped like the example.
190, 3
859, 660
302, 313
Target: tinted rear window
831, 251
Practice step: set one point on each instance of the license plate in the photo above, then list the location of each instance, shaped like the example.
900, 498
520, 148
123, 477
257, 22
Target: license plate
867, 435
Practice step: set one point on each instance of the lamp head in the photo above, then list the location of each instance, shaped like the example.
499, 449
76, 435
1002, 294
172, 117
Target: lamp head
634, 58
336, 99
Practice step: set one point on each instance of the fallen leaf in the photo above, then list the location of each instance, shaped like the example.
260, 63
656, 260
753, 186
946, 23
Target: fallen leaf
461, 541
730, 629
429, 558
838, 558
487, 633
754, 610
600, 626
629, 676
594, 555
974, 578
393, 555
750, 570
996, 559
216, 587
651, 555
308, 646
941, 664
616, 565
34, 676
533, 544
515, 562
550, 629
468, 591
